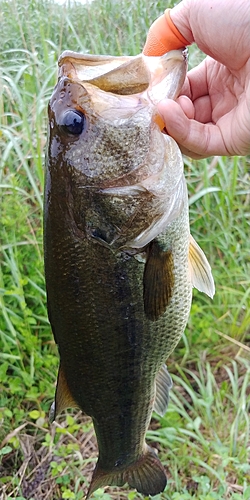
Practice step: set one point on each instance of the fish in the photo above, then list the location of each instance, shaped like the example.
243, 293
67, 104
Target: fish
120, 263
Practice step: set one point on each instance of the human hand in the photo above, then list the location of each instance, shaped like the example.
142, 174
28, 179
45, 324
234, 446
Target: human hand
212, 114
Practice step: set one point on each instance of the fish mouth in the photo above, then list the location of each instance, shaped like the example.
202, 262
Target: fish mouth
125, 75
119, 87
161, 76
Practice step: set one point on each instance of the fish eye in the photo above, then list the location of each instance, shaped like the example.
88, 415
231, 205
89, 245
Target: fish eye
73, 122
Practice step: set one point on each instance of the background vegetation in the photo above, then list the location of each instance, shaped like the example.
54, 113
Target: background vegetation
204, 439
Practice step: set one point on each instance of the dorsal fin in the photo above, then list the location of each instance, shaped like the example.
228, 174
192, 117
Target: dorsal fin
158, 280
200, 270
63, 398
163, 384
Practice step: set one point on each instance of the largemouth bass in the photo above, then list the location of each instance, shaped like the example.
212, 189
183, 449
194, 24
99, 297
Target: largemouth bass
120, 263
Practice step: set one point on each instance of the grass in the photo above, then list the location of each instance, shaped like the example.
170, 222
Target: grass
203, 439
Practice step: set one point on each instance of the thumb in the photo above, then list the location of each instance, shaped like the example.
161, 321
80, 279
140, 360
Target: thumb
163, 36
177, 116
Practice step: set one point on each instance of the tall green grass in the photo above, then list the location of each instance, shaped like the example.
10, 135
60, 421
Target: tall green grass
204, 437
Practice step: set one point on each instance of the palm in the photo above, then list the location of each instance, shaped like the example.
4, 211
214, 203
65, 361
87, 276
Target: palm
221, 101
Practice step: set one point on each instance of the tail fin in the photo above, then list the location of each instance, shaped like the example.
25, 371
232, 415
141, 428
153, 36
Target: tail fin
147, 476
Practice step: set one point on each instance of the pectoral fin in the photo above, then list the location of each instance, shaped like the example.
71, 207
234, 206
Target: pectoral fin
158, 280
163, 384
63, 398
200, 270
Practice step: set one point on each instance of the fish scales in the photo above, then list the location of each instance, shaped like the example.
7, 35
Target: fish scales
117, 244
110, 306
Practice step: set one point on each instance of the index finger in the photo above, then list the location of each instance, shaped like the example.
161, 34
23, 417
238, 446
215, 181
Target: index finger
195, 85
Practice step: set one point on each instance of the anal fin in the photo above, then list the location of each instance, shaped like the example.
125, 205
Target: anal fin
158, 280
200, 270
63, 397
163, 384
